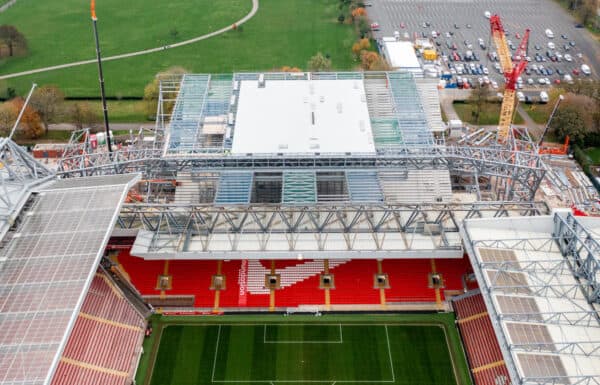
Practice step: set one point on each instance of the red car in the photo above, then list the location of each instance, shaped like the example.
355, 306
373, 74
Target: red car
575, 72
402, 25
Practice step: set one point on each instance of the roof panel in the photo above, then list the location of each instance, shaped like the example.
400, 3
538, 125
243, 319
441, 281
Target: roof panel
49, 263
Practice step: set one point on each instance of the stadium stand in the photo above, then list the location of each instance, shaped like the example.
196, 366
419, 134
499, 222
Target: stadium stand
298, 281
483, 351
409, 280
105, 343
354, 283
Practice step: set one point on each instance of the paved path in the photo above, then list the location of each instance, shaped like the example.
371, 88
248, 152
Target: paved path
7, 5
113, 126
143, 52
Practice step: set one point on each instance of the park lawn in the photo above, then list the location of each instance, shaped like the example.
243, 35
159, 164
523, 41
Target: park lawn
119, 111
538, 112
397, 349
128, 26
489, 116
281, 33
594, 154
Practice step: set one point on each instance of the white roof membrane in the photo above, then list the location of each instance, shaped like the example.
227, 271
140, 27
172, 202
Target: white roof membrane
302, 116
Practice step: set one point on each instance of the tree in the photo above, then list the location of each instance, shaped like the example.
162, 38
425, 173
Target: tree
363, 25
152, 89
13, 39
568, 121
30, 124
319, 63
341, 18
478, 99
8, 115
290, 69
47, 101
587, 11
82, 115
358, 12
370, 60
361, 45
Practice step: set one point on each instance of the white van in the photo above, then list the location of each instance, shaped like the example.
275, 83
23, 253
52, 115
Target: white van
520, 96
549, 34
487, 14
543, 97
586, 69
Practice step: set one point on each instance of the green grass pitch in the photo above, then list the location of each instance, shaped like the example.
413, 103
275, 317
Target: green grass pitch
294, 350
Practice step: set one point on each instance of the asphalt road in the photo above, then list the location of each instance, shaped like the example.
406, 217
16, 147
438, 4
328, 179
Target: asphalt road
143, 52
517, 15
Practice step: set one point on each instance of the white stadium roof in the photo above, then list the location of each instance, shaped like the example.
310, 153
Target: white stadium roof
546, 318
302, 116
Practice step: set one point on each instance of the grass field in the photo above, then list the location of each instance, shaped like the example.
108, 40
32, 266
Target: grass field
281, 33
594, 154
490, 114
307, 350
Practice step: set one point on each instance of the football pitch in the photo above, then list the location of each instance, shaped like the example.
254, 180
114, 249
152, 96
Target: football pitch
341, 351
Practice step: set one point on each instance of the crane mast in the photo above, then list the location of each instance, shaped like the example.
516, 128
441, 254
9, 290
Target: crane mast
511, 73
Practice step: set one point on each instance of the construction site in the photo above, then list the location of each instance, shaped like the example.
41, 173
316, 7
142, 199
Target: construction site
295, 193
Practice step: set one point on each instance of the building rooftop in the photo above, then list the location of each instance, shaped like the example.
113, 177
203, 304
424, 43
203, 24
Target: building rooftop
304, 116
300, 113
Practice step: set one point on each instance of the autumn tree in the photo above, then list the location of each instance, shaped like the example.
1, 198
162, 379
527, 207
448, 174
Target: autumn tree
30, 124
361, 45
358, 12
587, 11
319, 63
47, 101
8, 115
82, 115
13, 39
370, 60
290, 69
152, 89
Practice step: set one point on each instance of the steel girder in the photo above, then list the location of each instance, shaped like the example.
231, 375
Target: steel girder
173, 226
582, 251
19, 173
520, 172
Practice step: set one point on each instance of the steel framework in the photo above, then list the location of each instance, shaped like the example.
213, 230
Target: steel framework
19, 173
582, 252
513, 175
219, 232
577, 256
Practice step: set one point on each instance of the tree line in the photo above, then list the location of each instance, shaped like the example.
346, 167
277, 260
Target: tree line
46, 106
